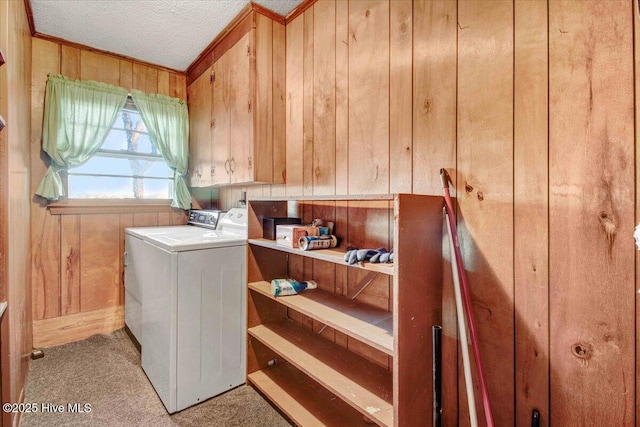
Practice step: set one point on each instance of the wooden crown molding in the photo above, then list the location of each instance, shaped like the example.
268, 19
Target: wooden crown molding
306, 4
268, 13
27, 8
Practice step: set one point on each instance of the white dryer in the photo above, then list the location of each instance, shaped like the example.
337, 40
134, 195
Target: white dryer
185, 302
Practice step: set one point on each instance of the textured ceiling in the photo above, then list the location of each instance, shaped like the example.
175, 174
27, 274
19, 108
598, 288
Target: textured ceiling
171, 33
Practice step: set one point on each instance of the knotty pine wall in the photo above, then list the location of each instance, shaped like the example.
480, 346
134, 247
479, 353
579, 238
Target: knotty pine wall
530, 107
15, 43
77, 273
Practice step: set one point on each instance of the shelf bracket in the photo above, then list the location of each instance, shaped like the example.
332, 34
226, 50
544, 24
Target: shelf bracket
362, 285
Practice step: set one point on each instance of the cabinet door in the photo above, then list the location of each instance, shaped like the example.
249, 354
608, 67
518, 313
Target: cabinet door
242, 68
200, 130
220, 156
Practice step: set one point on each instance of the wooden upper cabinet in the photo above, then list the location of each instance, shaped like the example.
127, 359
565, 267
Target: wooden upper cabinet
245, 90
221, 109
241, 141
200, 130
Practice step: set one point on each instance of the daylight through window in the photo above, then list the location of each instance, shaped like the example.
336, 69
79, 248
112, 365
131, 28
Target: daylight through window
127, 166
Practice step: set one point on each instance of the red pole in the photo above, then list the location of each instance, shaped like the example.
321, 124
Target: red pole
466, 300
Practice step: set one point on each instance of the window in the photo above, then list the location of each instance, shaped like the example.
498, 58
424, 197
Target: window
127, 165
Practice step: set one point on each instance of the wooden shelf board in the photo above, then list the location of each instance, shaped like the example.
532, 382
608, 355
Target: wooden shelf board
364, 323
338, 197
335, 256
302, 400
363, 385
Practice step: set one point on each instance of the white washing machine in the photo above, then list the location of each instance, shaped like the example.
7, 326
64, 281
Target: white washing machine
185, 302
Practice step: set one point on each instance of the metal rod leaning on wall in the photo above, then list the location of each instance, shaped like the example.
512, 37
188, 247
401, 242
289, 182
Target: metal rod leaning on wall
437, 375
462, 327
466, 297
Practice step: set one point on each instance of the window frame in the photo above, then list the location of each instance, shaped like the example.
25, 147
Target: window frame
68, 205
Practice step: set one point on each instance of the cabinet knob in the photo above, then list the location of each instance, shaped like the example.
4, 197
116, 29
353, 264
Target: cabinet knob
249, 160
213, 170
227, 167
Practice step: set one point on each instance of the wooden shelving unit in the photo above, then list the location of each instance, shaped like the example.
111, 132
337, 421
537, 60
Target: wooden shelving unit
356, 350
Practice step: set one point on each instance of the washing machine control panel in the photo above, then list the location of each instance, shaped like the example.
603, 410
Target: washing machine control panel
204, 218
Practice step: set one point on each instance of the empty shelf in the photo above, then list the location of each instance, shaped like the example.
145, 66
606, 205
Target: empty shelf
363, 385
302, 400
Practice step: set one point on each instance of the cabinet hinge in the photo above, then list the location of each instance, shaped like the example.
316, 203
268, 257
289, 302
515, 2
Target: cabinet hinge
249, 159
213, 123
249, 106
248, 50
213, 77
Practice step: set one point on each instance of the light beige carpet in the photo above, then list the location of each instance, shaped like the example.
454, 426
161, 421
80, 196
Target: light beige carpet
104, 371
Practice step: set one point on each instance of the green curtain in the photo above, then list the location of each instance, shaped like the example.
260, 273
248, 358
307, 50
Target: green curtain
78, 115
167, 121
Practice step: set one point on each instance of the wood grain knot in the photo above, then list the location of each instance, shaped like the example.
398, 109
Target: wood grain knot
426, 106
582, 351
468, 188
608, 222
480, 195
403, 28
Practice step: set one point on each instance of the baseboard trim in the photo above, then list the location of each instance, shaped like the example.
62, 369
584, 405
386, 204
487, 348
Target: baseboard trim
76, 327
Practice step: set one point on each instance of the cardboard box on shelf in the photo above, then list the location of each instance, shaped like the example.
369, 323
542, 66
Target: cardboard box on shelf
288, 235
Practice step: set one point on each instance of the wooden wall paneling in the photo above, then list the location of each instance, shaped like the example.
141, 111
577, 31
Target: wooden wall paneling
324, 97
369, 229
308, 102
400, 96
15, 82
178, 86
145, 78
434, 93
179, 217
149, 219
163, 83
591, 127
70, 264
294, 107
126, 74
164, 218
100, 68
126, 220
70, 62
342, 97
279, 110
6, 386
263, 127
636, 57
324, 273
368, 97
531, 210
485, 187
99, 262
45, 228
